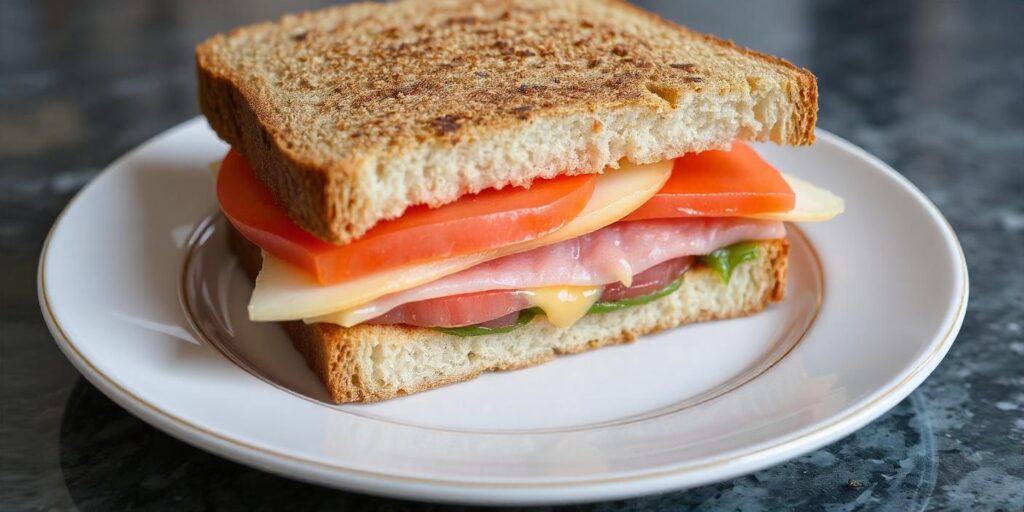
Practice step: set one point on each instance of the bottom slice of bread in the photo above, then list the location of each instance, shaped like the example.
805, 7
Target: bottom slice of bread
368, 363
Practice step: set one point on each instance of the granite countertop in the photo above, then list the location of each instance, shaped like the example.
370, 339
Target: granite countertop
934, 88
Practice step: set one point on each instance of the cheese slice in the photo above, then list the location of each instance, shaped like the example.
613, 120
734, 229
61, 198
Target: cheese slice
564, 305
813, 204
284, 292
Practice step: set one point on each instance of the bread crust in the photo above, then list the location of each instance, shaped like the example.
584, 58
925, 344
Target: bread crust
338, 355
354, 113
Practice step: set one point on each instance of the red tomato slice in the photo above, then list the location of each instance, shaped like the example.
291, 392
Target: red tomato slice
719, 184
490, 219
456, 310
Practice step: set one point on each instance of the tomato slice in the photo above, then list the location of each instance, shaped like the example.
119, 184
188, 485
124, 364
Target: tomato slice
457, 310
478, 222
719, 184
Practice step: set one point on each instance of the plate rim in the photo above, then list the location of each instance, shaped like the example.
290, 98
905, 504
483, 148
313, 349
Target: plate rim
574, 491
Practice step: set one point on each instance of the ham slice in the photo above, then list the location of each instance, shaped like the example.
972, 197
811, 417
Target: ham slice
612, 254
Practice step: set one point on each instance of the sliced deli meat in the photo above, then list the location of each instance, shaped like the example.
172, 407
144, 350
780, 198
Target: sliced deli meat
613, 254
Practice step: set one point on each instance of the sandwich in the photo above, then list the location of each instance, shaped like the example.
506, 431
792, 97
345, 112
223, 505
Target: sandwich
423, 191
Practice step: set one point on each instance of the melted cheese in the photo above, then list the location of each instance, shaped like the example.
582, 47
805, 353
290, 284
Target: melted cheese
284, 292
564, 305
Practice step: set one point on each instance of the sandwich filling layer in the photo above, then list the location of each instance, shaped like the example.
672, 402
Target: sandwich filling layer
501, 308
613, 254
566, 247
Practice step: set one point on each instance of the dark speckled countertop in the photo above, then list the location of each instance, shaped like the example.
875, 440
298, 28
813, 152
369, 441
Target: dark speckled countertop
934, 88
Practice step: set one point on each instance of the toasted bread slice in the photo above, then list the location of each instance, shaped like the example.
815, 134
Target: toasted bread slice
368, 363
352, 114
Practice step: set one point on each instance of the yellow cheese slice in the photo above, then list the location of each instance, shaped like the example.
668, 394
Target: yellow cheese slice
284, 292
813, 204
564, 305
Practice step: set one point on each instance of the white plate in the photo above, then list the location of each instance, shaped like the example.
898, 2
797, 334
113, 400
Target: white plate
141, 295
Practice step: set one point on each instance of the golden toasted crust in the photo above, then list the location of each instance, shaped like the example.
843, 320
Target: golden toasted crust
340, 110
337, 354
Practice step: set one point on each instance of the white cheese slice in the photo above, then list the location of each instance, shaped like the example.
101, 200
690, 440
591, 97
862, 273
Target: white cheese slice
284, 292
813, 204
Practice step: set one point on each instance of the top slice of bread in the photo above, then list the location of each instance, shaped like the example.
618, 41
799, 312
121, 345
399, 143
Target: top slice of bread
352, 114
